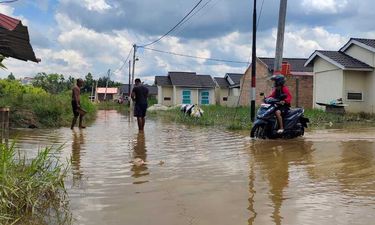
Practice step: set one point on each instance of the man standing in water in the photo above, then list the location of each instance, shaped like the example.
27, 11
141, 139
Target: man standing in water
139, 95
76, 105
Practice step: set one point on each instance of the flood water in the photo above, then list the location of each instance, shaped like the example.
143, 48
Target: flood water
209, 176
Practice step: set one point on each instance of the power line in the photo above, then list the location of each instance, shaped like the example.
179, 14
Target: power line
125, 61
153, 42
9, 1
194, 57
203, 6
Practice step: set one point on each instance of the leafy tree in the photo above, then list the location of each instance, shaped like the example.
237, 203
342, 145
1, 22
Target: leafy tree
1, 62
11, 77
52, 83
103, 81
89, 83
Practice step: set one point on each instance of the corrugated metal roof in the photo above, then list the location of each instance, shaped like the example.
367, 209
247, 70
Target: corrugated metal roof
8, 23
14, 39
110, 90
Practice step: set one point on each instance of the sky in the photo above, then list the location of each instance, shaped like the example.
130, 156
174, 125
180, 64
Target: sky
74, 37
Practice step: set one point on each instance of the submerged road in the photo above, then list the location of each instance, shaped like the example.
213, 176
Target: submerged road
206, 176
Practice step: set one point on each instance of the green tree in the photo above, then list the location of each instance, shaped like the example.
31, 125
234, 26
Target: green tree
11, 77
89, 83
52, 83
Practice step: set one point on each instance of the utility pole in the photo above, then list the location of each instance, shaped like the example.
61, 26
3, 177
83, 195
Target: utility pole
132, 78
106, 85
92, 92
253, 64
134, 59
280, 37
130, 66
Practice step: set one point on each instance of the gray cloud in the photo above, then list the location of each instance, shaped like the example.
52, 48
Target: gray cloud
154, 18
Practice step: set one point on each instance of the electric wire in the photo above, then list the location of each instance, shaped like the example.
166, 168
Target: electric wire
194, 57
9, 1
173, 28
203, 6
123, 64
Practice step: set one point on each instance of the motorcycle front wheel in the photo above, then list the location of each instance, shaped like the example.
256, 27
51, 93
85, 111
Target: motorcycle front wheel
258, 131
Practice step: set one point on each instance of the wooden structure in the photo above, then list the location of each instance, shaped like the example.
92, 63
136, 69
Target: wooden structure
4, 125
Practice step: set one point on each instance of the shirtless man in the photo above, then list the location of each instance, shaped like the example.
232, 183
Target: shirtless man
76, 105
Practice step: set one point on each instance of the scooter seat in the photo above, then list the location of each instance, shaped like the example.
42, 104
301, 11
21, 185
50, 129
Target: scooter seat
292, 112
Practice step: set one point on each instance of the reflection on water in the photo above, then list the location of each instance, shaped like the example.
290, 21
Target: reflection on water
78, 141
273, 159
139, 167
212, 176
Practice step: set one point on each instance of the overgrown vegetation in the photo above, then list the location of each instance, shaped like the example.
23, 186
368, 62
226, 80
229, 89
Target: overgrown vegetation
33, 106
32, 191
239, 118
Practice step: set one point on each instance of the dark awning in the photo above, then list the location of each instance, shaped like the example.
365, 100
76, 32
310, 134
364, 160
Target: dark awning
14, 39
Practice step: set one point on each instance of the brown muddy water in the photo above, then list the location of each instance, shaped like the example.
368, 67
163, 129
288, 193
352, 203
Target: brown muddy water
208, 176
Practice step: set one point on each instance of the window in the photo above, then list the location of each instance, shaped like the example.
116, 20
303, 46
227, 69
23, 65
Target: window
186, 97
205, 98
167, 98
355, 96
225, 99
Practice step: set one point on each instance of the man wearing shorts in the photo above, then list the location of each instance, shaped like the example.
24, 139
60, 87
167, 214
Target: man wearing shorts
139, 95
76, 105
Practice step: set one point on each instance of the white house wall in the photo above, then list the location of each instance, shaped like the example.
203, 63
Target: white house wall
194, 95
361, 54
355, 81
165, 92
370, 83
328, 82
223, 93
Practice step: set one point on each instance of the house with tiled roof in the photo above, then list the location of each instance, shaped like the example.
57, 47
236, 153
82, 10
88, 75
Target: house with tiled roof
228, 89
185, 88
346, 74
299, 80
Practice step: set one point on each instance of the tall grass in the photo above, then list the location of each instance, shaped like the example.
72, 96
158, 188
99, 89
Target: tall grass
32, 191
239, 118
33, 106
230, 118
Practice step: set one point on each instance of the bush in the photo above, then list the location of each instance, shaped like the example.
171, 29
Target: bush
32, 191
33, 106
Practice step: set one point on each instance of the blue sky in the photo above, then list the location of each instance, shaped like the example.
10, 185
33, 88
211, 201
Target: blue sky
76, 37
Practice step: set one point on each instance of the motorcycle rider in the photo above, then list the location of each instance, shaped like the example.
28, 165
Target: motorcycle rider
281, 92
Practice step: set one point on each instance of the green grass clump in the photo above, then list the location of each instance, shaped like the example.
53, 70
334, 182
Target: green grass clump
219, 116
239, 118
32, 191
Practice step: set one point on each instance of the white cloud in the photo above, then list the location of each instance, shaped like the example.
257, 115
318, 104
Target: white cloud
92, 5
302, 42
326, 6
97, 5
7, 10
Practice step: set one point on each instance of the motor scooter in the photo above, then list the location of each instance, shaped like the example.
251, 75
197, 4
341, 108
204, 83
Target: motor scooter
266, 126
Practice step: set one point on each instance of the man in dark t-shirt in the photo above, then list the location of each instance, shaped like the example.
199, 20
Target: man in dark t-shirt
139, 95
